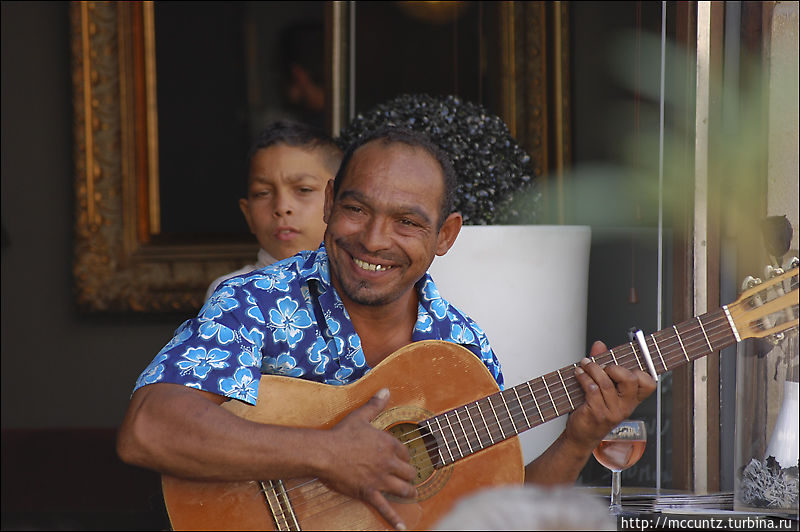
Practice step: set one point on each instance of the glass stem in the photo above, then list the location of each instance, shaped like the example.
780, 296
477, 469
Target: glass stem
615, 489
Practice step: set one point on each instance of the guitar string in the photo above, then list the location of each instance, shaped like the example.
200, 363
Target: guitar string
559, 395
667, 351
627, 353
626, 356
702, 334
320, 495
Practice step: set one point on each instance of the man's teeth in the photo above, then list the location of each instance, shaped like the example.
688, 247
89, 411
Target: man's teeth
371, 267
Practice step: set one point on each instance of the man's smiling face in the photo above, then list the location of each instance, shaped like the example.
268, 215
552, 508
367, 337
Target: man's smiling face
384, 223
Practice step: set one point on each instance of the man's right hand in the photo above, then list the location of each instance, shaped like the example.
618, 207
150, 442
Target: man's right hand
182, 432
368, 462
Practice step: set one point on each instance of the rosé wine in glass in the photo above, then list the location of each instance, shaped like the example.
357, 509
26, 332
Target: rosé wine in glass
619, 450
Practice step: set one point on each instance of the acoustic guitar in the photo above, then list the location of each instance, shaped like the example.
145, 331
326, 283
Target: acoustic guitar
446, 407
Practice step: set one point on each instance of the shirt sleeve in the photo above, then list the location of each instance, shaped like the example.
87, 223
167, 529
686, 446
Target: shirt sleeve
219, 351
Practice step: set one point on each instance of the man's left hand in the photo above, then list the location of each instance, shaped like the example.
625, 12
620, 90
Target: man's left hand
612, 393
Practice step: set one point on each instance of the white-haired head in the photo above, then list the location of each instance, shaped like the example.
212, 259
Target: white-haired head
528, 508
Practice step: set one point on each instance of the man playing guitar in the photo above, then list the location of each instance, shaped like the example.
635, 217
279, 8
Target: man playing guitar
330, 315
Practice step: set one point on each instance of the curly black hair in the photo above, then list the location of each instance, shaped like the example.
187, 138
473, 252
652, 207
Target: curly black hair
491, 166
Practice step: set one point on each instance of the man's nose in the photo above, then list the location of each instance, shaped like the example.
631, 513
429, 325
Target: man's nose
376, 234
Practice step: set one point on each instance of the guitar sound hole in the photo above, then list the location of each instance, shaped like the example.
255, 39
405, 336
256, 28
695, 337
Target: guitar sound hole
418, 444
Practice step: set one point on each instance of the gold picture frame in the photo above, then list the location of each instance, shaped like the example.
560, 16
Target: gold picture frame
118, 266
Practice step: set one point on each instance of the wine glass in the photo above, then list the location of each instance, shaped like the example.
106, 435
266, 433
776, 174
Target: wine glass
619, 450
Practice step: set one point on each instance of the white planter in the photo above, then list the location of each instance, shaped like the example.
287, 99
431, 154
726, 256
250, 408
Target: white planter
526, 286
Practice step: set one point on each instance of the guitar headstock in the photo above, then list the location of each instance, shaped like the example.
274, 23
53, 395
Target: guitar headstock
766, 308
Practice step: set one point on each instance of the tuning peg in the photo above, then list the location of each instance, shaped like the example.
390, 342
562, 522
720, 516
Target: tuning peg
770, 271
750, 282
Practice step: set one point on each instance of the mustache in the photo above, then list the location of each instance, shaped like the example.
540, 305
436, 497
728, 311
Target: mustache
356, 249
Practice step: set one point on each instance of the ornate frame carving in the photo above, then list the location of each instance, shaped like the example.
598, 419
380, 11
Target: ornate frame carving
535, 54
119, 266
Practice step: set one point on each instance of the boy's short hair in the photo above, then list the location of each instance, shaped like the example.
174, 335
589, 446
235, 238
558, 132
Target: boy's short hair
298, 135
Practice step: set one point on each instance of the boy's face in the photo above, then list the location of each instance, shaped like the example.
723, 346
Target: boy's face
286, 197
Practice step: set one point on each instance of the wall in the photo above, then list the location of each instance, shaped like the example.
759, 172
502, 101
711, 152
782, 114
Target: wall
59, 369
66, 378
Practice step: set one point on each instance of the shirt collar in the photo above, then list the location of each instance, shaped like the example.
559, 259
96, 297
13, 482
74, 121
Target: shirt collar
264, 259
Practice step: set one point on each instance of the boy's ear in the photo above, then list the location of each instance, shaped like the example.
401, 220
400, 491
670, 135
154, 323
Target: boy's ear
326, 215
244, 206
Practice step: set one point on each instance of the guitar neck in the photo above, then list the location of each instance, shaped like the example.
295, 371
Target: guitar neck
475, 426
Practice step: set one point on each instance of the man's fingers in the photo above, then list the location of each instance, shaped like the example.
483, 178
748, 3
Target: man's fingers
627, 381
379, 502
598, 348
600, 378
647, 385
373, 407
594, 399
402, 469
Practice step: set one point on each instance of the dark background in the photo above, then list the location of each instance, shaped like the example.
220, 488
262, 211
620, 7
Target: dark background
67, 377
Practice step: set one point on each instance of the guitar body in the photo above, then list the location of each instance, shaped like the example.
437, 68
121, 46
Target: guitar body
424, 378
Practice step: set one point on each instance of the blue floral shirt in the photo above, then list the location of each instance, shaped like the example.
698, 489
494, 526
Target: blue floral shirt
287, 319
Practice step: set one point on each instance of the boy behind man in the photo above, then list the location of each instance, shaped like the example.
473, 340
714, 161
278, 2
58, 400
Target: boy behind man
290, 165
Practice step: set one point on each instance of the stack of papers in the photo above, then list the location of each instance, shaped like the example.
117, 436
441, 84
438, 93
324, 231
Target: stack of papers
660, 502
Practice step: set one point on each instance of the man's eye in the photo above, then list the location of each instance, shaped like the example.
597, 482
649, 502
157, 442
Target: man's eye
261, 193
305, 190
410, 223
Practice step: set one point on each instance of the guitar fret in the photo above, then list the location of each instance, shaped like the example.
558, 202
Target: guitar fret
494, 412
681, 342
710, 347
571, 406
655, 344
427, 426
519, 401
477, 434
486, 425
444, 440
546, 387
510, 416
535, 401
613, 357
466, 436
455, 436
633, 348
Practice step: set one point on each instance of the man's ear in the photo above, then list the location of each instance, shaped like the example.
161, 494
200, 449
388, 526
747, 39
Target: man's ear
326, 214
448, 233
244, 206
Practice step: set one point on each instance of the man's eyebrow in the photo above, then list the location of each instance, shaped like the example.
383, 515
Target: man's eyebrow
403, 209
